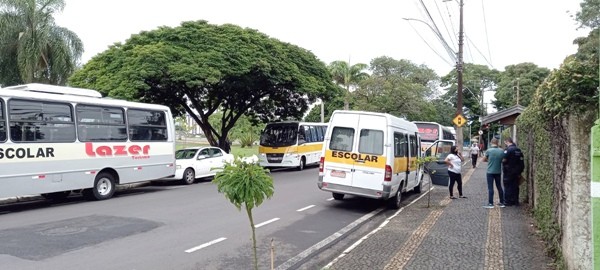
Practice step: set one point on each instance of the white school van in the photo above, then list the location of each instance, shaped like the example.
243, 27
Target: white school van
371, 155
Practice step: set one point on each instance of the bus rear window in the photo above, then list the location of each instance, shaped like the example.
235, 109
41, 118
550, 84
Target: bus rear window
342, 139
371, 142
429, 132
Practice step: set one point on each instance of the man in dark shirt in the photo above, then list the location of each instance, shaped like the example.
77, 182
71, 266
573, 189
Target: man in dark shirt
512, 166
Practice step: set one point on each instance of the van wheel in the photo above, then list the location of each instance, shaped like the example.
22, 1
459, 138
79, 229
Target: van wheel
189, 176
419, 187
57, 196
395, 201
104, 187
302, 164
337, 196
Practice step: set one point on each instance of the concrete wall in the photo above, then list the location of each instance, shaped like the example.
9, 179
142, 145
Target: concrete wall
576, 215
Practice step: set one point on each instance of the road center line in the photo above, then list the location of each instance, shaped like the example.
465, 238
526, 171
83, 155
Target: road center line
265, 223
205, 245
308, 207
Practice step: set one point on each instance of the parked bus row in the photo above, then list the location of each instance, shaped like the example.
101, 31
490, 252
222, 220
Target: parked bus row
54, 140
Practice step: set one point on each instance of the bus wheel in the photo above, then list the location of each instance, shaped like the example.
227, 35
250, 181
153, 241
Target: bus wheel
57, 196
419, 187
337, 196
189, 176
104, 187
395, 201
302, 164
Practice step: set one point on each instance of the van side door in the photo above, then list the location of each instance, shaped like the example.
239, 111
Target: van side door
438, 170
413, 169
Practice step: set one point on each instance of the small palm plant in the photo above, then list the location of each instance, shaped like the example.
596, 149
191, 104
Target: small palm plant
245, 183
425, 161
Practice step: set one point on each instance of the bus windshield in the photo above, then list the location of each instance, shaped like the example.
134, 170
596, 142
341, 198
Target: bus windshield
429, 132
279, 135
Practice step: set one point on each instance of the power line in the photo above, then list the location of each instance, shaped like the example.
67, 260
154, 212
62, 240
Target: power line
436, 30
482, 55
451, 24
486, 32
438, 54
444, 22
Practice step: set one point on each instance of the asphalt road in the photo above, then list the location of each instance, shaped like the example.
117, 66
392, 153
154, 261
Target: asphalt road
167, 226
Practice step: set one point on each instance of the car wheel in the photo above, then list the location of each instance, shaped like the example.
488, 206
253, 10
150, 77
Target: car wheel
104, 187
189, 176
419, 187
337, 196
395, 201
302, 164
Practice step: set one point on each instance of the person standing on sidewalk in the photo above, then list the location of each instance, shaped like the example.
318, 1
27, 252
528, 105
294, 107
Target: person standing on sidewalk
454, 161
474, 154
493, 156
513, 165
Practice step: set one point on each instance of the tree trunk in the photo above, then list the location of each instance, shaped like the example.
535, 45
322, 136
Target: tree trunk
225, 144
249, 212
346, 98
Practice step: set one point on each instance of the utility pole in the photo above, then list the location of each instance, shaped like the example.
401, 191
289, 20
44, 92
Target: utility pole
459, 71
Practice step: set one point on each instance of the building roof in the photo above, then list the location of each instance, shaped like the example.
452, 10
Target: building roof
513, 111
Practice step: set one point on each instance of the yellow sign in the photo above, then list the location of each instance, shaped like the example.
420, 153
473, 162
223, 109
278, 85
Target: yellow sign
459, 120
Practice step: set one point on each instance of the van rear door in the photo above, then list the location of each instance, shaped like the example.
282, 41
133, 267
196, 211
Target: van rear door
440, 150
369, 168
338, 163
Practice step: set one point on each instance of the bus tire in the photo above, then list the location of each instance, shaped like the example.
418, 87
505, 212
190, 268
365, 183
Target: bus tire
337, 196
57, 196
104, 187
189, 176
302, 163
419, 187
394, 202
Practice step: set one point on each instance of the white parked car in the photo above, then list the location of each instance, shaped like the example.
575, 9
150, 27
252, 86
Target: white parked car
198, 162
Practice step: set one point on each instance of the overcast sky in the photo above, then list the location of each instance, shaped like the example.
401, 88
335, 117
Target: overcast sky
498, 32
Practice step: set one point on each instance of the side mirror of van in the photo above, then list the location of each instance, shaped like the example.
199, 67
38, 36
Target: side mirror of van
301, 141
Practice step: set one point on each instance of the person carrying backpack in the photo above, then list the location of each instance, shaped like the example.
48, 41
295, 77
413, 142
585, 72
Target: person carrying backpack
513, 165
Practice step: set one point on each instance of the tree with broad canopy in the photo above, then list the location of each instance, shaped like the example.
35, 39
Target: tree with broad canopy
199, 69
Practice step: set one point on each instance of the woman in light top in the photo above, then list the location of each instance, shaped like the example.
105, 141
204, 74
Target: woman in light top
454, 161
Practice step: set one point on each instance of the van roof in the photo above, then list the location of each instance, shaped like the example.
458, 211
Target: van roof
391, 119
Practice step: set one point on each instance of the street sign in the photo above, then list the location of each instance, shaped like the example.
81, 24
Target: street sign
480, 132
459, 120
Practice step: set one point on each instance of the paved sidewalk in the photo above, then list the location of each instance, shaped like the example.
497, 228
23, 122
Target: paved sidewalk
451, 234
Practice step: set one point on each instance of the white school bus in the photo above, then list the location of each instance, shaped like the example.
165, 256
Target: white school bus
370, 155
54, 140
291, 144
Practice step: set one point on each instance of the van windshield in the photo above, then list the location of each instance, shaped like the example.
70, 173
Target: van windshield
276, 135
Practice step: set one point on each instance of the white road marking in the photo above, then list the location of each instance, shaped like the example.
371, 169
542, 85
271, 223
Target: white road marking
304, 254
265, 223
383, 224
330, 199
595, 189
205, 245
308, 207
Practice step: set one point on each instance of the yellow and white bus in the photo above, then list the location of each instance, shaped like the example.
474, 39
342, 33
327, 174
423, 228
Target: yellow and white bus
291, 144
54, 140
